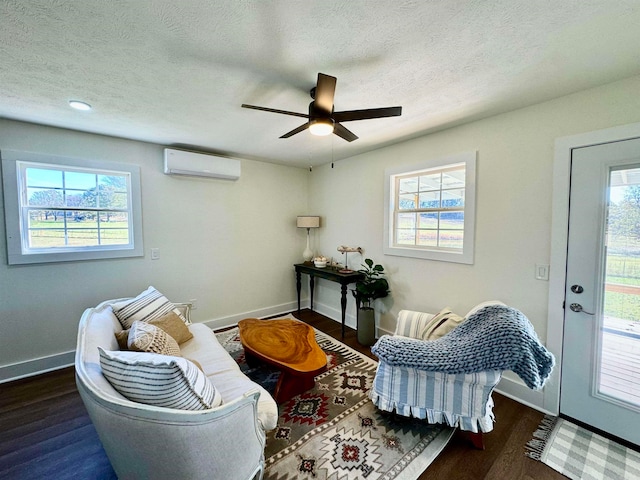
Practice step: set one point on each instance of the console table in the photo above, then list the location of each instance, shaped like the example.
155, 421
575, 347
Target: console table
328, 273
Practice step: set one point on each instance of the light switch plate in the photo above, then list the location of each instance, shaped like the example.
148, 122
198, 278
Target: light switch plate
542, 271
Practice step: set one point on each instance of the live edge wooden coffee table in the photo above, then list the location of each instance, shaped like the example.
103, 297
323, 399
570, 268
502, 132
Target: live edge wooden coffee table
290, 346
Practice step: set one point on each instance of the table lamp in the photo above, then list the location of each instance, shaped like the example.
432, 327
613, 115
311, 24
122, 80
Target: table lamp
308, 222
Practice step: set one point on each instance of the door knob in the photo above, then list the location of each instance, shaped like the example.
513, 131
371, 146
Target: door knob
576, 307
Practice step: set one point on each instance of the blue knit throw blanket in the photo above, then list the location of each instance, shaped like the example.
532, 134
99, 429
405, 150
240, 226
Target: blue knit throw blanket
496, 337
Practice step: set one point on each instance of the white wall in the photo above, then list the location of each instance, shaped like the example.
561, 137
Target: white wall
229, 244
513, 219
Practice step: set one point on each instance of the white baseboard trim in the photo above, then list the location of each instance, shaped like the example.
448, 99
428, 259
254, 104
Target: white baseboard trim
519, 392
29, 368
231, 320
335, 314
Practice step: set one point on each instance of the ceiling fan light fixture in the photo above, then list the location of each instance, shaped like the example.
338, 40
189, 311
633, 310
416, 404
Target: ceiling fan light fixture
321, 126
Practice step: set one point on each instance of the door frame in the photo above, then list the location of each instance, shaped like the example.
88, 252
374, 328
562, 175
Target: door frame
559, 243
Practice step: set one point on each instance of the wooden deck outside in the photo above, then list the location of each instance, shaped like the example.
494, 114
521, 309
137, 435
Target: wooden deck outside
620, 365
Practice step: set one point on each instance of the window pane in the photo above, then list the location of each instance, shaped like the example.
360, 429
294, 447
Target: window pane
46, 238
86, 237
408, 185
79, 180
428, 220
428, 238
117, 183
114, 236
38, 197
89, 199
118, 200
430, 182
430, 199
452, 220
46, 228
450, 238
453, 179
407, 201
41, 177
406, 220
405, 236
453, 198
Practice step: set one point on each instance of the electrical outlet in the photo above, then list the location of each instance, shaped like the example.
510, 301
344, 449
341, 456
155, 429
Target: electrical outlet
155, 253
194, 303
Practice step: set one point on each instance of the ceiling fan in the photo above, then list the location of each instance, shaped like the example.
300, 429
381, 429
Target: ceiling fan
322, 119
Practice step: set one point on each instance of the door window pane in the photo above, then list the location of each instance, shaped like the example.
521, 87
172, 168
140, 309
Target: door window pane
619, 369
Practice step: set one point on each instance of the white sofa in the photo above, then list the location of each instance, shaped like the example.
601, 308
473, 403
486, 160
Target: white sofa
143, 441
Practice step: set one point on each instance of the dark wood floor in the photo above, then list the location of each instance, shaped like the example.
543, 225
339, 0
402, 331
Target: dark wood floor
45, 432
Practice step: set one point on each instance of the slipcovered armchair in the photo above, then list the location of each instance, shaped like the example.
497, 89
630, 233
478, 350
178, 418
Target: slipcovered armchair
450, 379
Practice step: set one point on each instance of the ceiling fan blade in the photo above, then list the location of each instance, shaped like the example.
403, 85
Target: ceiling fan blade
301, 128
325, 91
350, 115
273, 110
342, 132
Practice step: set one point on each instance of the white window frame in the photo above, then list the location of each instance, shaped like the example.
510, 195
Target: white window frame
466, 255
18, 251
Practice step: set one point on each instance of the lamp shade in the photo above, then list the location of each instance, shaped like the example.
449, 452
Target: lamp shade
308, 221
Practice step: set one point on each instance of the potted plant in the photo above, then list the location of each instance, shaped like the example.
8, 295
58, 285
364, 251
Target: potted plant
370, 287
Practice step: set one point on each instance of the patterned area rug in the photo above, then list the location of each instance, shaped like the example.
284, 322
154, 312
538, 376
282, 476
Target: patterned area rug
333, 431
580, 454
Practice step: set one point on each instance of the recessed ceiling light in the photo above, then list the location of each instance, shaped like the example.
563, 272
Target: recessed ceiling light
78, 105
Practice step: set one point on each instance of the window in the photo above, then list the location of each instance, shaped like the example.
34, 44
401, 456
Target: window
62, 209
430, 209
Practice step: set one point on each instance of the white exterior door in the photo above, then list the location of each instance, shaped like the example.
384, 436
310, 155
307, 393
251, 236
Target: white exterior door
600, 382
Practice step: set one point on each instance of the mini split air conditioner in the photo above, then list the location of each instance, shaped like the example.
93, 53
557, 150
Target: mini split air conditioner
181, 162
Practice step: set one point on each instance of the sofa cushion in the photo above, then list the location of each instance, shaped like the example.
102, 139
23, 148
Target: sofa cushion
441, 324
159, 380
149, 305
144, 337
225, 373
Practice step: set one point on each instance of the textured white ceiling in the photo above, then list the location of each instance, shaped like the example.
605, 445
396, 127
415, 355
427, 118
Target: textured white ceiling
176, 72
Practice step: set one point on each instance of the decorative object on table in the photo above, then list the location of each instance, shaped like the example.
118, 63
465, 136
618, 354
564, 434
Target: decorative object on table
579, 454
369, 288
308, 222
333, 430
320, 262
345, 250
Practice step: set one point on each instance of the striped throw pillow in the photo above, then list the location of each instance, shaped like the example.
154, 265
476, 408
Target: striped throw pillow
145, 337
149, 305
159, 380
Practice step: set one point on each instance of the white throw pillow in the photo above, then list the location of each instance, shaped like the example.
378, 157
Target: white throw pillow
145, 337
149, 305
159, 380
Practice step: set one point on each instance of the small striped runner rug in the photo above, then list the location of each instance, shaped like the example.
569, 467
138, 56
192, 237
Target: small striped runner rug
580, 454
